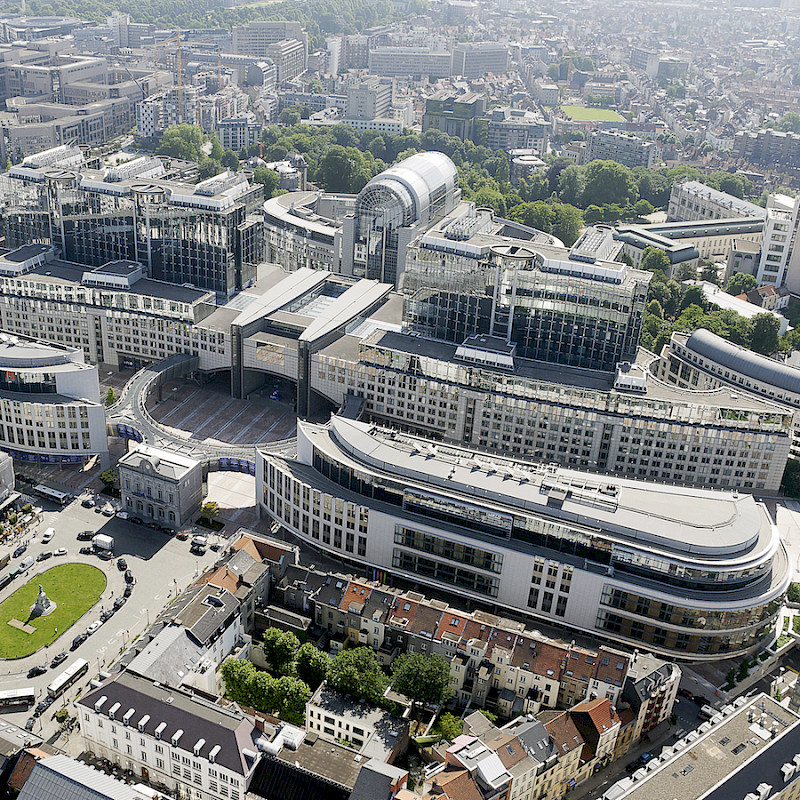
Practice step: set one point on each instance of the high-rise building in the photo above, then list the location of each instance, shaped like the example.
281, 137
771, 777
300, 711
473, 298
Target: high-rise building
516, 129
455, 115
290, 57
475, 59
371, 99
255, 37
206, 235
573, 307
396, 61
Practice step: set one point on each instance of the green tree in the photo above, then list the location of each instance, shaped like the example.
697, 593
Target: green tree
111, 397
293, 695
539, 215
230, 160
280, 648
693, 295
643, 208
710, 274
654, 308
570, 185
789, 122
216, 148
183, 141
567, 223
740, 282
593, 214
764, 334
685, 272
262, 691
109, 477
422, 678
343, 169
209, 168
268, 178
311, 665
448, 726
491, 198
609, 182
209, 509
237, 674
657, 262
289, 116
357, 672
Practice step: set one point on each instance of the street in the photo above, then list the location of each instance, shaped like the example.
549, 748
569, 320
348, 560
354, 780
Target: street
162, 566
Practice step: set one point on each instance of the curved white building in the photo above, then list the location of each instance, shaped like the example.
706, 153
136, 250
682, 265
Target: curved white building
681, 571
50, 406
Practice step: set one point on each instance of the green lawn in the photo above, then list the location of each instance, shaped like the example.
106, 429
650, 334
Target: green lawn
74, 587
586, 113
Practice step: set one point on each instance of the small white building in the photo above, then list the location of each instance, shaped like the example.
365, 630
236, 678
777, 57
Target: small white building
720, 298
372, 731
160, 485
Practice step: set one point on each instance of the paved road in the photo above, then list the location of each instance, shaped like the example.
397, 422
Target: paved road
162, 566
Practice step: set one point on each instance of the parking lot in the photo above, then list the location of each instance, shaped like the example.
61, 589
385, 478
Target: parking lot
161, 565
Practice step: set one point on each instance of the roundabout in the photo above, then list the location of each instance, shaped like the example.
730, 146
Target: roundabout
72, 589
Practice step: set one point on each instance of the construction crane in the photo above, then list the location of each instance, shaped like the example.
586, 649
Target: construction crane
176, 40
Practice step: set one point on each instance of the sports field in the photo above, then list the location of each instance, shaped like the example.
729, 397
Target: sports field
585, 113
75, 588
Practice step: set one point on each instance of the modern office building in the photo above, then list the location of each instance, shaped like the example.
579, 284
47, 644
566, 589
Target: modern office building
456, 115
572, 307
692, 200
627, 149
476, 59
394, 208
516, 129
414, 61
686, 572
206, 235
50, 408
255, 38
290, 57
160, 485
173, 106
370, 99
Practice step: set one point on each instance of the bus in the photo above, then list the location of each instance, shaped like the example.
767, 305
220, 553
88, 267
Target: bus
61, 498
17, 698
71, 674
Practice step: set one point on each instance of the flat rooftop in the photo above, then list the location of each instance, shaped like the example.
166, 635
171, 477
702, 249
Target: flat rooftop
728, 759
704, 525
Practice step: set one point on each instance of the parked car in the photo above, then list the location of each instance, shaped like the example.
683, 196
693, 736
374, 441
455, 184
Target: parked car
98, 509
699, 700
29, 723
136, 520
19, 551
216, 547
44, 555
108, 511
88, 502
106, 615
86, 536
123, 515
26, 564
128, 590
62, 551
640, 762
183, 536
59, 659
685, 693
129, 577
105, 555
48, 535
197, 550
78, 641
95, 626
40, 709
166, 529
122, 564
34, 672
119, 602
152, 525
86, 551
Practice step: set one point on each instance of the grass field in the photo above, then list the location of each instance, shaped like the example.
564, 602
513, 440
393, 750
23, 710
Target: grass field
74, 587
586, 113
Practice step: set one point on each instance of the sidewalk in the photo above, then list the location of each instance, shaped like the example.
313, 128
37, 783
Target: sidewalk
593, 788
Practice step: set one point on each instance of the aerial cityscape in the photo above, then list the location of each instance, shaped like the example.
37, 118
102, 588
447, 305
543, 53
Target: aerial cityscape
399, 400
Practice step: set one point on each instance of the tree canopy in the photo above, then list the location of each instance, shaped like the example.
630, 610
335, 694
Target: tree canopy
356, 672
422, 678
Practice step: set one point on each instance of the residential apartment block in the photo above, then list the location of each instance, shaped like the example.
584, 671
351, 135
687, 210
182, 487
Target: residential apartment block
627, 149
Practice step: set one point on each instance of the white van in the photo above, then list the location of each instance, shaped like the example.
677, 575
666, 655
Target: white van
48, 535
